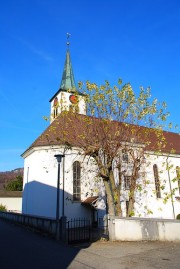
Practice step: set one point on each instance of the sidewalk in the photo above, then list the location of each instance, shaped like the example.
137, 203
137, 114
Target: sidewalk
128, 255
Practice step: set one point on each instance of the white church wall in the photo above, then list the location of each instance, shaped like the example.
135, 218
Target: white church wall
90, 186
148, 205
40, 181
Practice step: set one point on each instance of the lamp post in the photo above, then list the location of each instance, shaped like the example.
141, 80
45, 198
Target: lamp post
59, 158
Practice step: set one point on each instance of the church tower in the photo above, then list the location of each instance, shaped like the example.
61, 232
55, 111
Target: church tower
67, 98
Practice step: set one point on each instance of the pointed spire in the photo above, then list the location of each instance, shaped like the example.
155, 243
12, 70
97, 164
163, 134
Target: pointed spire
68, 82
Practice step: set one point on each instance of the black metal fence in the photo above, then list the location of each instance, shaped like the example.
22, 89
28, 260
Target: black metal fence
81, 230
78, 230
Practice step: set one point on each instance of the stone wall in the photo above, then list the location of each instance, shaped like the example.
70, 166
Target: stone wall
138, 229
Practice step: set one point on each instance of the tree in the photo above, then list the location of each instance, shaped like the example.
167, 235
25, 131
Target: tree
121, 127
118, 133
15, 185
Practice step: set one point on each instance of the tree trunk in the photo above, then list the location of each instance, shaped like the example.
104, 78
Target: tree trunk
112, 191
133, 188
118, 204
110, 199
131, 204
116, 195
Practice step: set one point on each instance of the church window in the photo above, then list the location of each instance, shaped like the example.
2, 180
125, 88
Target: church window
74, 108
125, 156
71, 108
55, 102
178, 176
55, 112
127, 182
76, 181
157, 182
127, 206
55, 105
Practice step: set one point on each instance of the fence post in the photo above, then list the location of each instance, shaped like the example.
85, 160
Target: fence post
63, 221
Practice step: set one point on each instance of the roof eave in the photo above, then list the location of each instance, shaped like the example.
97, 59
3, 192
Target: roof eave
64, 90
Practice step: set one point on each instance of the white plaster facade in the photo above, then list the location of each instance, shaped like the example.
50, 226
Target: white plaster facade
40, 184
147, 204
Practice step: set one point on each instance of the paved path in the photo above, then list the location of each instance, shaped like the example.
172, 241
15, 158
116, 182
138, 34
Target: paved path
129, 255
20, 248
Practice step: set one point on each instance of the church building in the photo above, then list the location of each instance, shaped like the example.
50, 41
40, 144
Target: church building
80, 193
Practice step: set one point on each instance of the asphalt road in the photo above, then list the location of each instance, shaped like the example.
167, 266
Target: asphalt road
21, 248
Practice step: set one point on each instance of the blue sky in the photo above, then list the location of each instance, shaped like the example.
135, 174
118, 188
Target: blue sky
137, 41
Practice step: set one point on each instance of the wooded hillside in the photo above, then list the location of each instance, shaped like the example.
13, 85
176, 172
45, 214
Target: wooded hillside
6, 177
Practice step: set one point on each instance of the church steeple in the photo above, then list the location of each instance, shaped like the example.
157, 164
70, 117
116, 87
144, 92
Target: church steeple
68, 82
67, 97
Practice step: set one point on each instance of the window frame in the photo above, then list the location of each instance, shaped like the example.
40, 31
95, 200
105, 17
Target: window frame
125, 156
76, 181
178, 177
127, 182
157, 181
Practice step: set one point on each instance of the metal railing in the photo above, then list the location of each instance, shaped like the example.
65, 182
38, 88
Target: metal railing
78, 230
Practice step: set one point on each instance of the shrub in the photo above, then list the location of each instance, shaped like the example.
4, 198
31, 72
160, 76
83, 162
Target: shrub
178, 216
3, 207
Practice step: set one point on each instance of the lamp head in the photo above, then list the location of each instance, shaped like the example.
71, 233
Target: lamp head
59, 157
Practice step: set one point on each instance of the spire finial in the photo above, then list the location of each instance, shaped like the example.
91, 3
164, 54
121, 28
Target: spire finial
68, 36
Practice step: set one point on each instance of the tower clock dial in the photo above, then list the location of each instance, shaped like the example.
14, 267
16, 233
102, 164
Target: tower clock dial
73, 99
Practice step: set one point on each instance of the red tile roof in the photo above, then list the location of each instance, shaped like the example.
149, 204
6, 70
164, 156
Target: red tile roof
76, 130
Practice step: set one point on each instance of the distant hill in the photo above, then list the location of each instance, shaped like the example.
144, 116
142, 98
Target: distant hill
8, 176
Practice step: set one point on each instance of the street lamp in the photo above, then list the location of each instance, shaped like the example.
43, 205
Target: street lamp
59, 158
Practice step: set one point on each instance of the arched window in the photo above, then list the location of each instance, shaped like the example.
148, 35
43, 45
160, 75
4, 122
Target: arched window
178, 176
55, 105
157, 182
76, 181
125, 156
55, 112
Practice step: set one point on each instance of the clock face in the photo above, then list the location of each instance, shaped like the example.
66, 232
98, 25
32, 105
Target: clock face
73, 99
